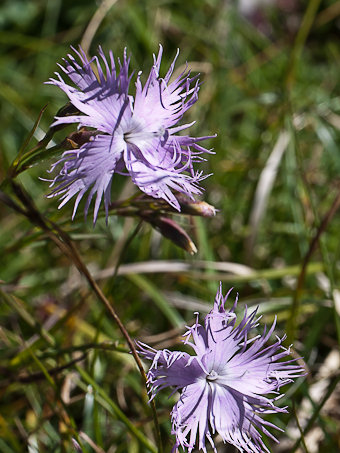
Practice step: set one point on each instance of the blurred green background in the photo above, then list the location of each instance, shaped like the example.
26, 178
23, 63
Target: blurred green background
270, 91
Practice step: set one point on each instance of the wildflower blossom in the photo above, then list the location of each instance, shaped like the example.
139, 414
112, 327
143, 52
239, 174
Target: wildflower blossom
137, 136
226, 386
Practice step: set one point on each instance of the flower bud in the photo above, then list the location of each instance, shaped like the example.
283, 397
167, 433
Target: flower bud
79, 138
171, 230
199, 208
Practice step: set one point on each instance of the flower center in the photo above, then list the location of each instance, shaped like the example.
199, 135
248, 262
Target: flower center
138, 133
212, 376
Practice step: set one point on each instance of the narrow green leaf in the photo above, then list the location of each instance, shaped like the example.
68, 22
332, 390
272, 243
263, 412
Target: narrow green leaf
117, 411
169, 312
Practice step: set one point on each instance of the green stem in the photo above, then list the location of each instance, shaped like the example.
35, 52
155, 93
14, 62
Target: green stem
301, 37
317, 410
291, 325
136, 432
65, 244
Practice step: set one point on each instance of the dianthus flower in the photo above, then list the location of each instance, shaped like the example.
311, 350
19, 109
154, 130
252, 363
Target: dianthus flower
225, 385
133, 135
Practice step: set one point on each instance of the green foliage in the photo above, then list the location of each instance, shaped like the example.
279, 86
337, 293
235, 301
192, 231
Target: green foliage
271, 93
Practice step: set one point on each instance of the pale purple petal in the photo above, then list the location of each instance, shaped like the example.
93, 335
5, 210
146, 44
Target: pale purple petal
89, 168
190, 416
102, 101
170, 369
159, 182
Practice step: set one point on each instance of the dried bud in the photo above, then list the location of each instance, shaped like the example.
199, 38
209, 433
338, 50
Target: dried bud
199, 208
77, 139
171, 230
188, 206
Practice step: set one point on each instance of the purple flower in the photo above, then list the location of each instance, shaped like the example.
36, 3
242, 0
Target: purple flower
226, 385
136, 135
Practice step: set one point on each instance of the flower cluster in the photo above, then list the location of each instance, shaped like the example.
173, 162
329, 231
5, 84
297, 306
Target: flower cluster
134, 135
232, 379
226, 386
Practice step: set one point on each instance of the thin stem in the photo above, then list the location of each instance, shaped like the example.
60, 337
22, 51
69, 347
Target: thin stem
126, 245
86, 347
317, 410
302, 437
291, 325
65, 244
40, 375
301, 37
